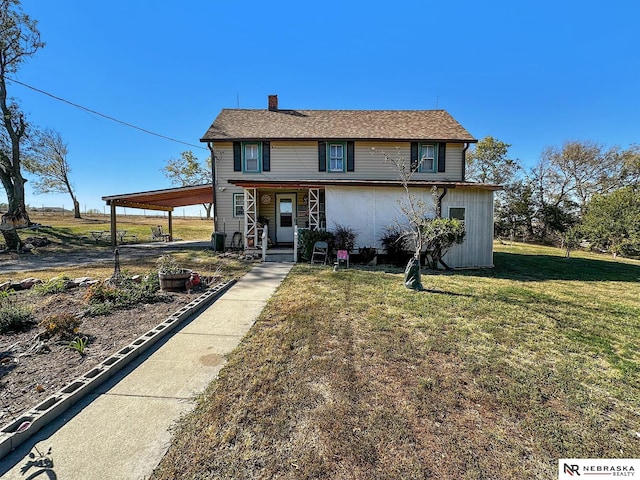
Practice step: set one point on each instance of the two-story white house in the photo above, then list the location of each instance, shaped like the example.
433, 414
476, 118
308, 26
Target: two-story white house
321, 168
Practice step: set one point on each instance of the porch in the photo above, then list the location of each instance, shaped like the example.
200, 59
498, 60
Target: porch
273, 215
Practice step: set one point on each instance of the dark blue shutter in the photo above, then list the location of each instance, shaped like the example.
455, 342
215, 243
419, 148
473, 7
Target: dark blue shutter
442, 151
322, 156
266, 156
237, 157
414, 155
350, 157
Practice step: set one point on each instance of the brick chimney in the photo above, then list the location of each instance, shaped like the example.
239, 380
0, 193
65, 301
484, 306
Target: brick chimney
273, 103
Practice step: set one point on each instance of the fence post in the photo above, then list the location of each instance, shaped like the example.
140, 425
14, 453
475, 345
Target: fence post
295, 243
265, 236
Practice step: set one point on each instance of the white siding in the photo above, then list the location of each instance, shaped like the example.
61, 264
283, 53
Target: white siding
477, 248
369, 211
299, 160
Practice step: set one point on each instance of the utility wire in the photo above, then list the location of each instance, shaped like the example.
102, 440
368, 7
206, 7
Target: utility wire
103, 115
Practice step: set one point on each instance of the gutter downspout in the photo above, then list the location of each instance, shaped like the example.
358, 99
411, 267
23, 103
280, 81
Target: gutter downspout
440, 197
213, 183
464, 160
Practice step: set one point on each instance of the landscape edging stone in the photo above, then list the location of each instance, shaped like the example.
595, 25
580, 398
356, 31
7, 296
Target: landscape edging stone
29, 423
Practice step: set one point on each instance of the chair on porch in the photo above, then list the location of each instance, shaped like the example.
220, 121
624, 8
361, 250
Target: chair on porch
320, 252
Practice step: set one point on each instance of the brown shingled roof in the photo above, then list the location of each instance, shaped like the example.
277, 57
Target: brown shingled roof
335, 124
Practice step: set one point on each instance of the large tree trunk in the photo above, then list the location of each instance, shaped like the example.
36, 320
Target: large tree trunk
8, 229
13, 183
11, 238
76, 208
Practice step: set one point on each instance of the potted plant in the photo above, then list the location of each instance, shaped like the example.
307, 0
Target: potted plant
171, 276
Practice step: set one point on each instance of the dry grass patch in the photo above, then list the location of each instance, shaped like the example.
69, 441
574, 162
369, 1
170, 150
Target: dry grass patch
490, 374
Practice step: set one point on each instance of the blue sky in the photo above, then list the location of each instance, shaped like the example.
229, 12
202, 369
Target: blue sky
532, 74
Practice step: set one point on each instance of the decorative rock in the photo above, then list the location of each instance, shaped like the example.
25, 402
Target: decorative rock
136, 279
27, 283
81, 280
5, 286
37, 241
15, 286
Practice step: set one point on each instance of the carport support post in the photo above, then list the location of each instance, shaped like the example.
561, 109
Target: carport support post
170, 225
113, 225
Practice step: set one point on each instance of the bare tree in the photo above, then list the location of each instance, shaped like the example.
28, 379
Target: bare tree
422, 226
414, 209
19, 40
48, 161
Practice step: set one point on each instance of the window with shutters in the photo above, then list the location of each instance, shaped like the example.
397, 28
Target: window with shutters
251, 157
336, 156
427, 157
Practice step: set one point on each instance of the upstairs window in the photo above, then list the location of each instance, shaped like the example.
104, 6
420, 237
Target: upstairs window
427, 158
251, 157
336, 157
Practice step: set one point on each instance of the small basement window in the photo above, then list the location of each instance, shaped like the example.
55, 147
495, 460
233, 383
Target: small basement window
457, 213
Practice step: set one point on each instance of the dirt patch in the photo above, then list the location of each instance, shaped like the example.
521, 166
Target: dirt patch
28, 375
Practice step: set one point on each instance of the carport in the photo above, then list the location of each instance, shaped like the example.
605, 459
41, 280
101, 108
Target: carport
160, 200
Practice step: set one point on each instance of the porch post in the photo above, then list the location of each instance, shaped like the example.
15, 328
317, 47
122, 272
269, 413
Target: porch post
250, 218
113, 225
314, 209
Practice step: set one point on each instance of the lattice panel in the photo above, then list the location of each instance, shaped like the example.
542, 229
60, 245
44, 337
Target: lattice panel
250, 218
314, 208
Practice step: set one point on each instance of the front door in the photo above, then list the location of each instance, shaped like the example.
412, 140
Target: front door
285, 216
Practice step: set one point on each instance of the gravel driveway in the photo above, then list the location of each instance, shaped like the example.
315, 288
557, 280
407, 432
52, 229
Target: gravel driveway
13, 262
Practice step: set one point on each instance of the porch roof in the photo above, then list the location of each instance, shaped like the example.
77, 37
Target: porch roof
164, 200
319, 183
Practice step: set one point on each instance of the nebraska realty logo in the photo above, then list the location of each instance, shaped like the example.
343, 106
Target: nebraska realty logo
598, 468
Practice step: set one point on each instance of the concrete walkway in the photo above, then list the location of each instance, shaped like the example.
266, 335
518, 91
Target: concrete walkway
121, 431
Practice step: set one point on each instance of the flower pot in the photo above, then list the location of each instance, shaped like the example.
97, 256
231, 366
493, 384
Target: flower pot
174, 281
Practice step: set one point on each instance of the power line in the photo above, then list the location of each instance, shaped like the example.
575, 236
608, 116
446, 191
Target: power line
103, 115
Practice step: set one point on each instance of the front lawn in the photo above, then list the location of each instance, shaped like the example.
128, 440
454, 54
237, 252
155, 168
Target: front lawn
489, 374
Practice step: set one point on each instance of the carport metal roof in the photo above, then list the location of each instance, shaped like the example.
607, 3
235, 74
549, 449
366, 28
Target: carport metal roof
163, 200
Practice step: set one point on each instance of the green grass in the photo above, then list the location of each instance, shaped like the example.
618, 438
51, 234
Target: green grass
68, 234
203, 261
488, 374
71, 232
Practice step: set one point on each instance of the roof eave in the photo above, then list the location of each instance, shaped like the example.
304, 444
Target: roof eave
313, 139
311, 183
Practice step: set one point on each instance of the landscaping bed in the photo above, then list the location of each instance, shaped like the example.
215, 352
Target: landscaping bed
35, 364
